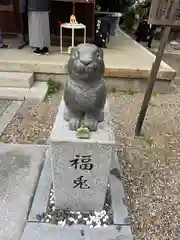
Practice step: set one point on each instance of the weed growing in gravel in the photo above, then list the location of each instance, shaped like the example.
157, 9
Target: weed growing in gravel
131, 91
113, 90
53, 87
155, 94
150, 141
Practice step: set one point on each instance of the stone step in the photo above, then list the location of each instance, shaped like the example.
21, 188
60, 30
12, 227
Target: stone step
10, 93
36, 93
16, 79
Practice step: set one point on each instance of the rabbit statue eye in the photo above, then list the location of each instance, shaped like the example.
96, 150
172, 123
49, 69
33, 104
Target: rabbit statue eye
99, 56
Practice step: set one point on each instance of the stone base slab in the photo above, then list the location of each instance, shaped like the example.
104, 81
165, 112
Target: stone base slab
48, 232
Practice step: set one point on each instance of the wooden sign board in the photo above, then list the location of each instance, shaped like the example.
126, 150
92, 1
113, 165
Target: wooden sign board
165, 12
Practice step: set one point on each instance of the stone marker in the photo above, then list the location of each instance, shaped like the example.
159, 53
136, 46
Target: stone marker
81, 166
20, 166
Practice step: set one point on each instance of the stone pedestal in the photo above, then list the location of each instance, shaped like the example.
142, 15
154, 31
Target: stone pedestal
81, 167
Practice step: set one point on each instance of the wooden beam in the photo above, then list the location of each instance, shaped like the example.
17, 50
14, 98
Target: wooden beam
6, 8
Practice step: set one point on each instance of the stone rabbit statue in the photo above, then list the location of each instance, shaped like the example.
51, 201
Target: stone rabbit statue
85, 90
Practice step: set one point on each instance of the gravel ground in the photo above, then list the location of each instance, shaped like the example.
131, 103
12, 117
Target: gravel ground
32, 123
150, 165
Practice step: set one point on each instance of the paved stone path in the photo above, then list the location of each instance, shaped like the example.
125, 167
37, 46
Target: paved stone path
20, 166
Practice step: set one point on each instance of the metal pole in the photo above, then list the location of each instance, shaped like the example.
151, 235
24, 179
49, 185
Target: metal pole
61, 40
72, 36
73, 8
152, 79
85, 34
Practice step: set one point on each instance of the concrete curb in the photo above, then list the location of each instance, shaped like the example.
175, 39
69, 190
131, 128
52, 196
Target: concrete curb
8, 115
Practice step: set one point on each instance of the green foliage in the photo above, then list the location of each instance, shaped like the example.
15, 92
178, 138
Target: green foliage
53, 87
112, 90
150, 141
131, 91
155, 94
129, 19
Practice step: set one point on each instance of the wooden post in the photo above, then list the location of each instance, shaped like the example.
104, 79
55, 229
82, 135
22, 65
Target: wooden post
152, 79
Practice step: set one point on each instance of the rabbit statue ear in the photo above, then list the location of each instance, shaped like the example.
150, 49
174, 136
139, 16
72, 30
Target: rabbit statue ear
73, 50
101, 53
